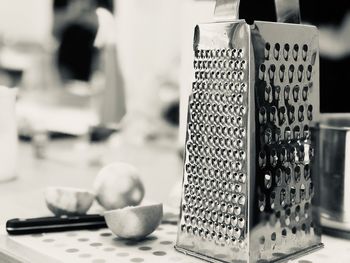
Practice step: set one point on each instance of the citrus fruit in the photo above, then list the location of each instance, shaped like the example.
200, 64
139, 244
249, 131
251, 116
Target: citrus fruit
118, 185
68, 201
134, 222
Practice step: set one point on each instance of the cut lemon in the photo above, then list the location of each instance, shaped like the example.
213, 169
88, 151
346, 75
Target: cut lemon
68, 201
134, 222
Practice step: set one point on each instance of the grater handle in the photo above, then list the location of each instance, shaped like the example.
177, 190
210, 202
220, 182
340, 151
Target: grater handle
227, 9
288, 11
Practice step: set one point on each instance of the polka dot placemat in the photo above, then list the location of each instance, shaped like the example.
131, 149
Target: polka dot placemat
101, 246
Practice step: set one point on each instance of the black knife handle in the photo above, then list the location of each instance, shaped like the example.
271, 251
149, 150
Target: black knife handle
54, 224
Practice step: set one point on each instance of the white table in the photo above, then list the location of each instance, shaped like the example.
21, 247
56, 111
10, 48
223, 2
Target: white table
160, 166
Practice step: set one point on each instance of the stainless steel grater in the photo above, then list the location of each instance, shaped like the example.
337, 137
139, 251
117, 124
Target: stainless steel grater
248, 186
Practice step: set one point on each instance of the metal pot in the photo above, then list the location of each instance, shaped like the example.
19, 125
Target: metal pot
333, 159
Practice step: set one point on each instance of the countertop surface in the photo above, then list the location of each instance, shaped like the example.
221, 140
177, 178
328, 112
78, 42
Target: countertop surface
66, 164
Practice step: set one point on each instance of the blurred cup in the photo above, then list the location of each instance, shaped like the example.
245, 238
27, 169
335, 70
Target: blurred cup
8, 134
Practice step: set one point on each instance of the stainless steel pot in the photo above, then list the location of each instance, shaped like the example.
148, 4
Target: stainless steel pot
333, 152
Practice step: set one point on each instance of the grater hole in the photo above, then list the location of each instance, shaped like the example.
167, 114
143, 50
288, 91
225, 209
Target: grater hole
262, 115
276, 51
268, 94
277, 134
301, 113
283, 157
292, 194
296, 132
262, 159
273, 67
272, 71
287, 133
303, 227
309, 112
283, 194
291, 111
278, 177
284, 233
273, 158
267, 46
286, 92
305, 47
296, 93
273, 113
306, 207
305, 50
262, 240
273, 236
278, 214
277, 92
286, 47
272, 197
268, 136
281, 72
291, 73
297, 174
305, 93
281, 115
306, 132
288, 175
308, 72
286, 51
268, 180
294, 230
262, 71
295, 51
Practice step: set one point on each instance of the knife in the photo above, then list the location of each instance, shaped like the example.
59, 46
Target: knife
19, 226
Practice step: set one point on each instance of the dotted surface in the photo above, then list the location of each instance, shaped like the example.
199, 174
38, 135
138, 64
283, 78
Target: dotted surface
76, 247
102, 246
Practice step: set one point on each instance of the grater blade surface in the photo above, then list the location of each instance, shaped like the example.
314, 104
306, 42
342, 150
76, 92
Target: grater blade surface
284, 215
248, 186
215, 191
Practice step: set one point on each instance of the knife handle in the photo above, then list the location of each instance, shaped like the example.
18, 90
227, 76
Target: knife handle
19, 226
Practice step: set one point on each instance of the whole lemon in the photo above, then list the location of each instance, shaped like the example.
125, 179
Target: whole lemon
118, 185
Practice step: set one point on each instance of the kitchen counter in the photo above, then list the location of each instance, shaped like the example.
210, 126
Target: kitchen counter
64, 165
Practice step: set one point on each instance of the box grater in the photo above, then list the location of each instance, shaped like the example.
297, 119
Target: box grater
248, 189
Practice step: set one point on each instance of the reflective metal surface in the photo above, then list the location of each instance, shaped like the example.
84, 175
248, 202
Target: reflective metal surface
248, 184
227, 9
214, 219
288, 11
334, 169
284, 218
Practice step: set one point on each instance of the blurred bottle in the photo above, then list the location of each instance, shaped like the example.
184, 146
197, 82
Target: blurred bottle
87, 56
8, 134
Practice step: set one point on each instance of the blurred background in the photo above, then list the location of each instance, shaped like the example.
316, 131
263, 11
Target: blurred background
94, 66
91, 75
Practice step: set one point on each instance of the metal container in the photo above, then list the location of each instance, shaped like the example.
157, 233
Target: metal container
248, 188
333, 150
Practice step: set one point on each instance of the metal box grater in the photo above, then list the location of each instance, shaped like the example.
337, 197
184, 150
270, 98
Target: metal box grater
248, 186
